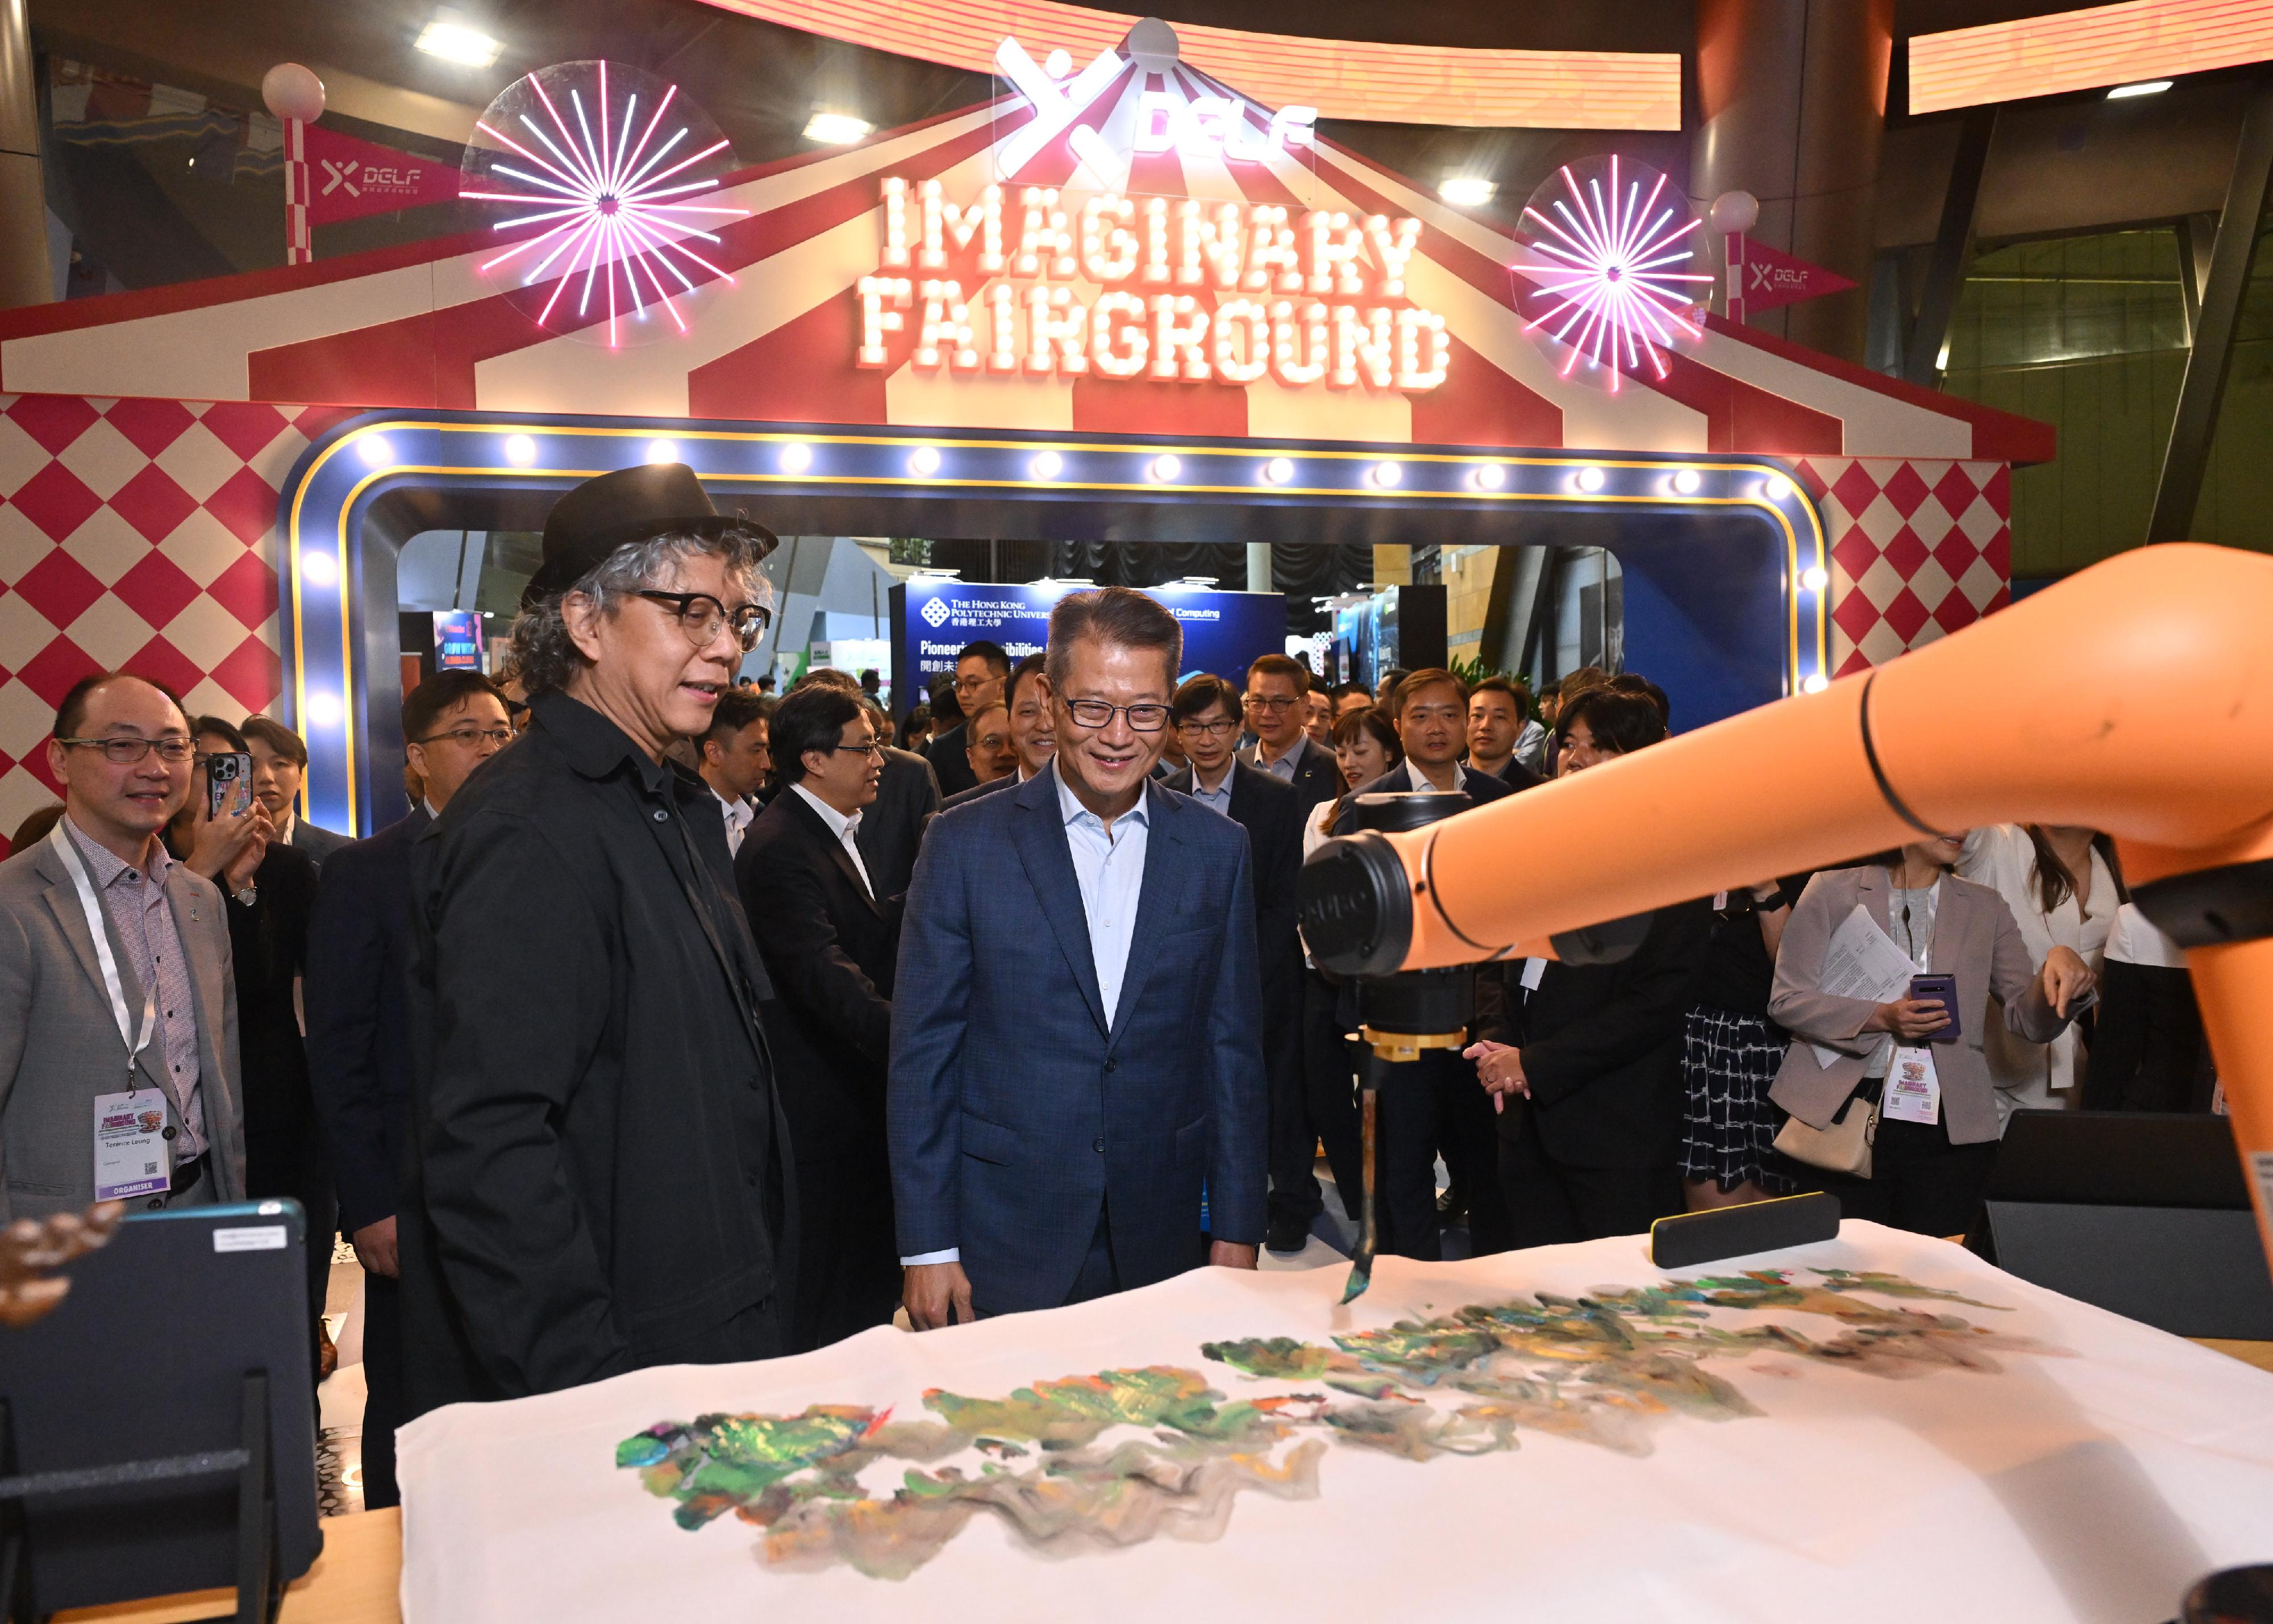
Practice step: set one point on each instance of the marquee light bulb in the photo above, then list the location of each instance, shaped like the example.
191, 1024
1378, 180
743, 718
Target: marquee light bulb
1686, 482
1166, 467
1489, 476
324, 709
1590, 479
520, 450
796, 458
1385, 474
1777, 488
1816, 683
662, 451
1278, 471
318, 568
924, 461
1814, 578
1045, 465
374, 450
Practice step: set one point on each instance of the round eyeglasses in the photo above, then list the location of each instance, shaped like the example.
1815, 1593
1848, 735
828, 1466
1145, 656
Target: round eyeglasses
1094, 713
701, 615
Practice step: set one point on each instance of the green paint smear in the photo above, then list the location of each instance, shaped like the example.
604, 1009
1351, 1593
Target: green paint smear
1606, 1369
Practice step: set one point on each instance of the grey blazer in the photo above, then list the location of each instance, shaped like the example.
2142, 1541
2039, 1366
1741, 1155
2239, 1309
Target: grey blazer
1974, 938
59, 1043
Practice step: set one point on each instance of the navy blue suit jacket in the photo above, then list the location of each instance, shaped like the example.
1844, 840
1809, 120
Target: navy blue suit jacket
356, 994
1015, 1111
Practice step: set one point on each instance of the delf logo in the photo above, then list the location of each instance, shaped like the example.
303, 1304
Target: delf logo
1207, 126
934, 613
355, 177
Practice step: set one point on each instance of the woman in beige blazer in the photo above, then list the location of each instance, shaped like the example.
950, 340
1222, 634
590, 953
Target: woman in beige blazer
1926, 1178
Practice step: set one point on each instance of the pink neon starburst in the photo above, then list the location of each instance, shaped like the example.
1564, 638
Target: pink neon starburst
1610, 268
614, 187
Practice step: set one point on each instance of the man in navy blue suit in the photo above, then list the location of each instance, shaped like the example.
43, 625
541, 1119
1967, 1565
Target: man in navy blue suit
1075, 1049
357, 994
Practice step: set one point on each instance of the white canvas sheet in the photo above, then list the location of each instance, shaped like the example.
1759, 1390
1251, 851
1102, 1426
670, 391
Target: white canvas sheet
2093, 1480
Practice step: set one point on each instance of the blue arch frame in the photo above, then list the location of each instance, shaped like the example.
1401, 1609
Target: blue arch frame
356, 494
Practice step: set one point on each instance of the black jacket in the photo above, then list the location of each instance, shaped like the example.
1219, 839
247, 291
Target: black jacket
1270, 810
891, 831
1601, 1046
829, 950
1318, 780
1009, 781
951, 762
268, 944
603, 1166
1482, 788
357, 995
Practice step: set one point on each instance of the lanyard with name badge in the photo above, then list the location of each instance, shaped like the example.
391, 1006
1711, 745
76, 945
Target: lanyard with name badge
1913, 1087
131, 1156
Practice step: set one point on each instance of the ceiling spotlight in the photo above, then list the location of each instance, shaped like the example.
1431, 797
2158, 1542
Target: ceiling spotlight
1777, 488
835, 129
1045, 465
1816, 683
1386, 472
1813, 578
1686, 482
468, 48
2145, 88
1164, 467
374, 450
662, 451
924, 460
1488, 476
796, 458
1278, 471
317, 568
1467, 192
520, 450
1590, 479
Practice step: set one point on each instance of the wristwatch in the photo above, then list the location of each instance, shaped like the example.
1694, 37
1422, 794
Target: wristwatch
248, 894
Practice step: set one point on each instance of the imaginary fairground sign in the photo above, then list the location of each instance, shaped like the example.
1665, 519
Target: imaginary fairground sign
1040, 281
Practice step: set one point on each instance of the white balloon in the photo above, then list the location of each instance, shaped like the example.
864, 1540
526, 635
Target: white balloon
1734, 211
290, 91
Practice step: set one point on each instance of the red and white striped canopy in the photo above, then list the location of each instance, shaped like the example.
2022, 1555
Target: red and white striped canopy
420, 327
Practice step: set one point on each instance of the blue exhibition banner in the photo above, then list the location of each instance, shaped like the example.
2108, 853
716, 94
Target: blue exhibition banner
1224, 632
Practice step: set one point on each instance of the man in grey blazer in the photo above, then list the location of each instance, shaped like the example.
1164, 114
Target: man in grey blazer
122, 750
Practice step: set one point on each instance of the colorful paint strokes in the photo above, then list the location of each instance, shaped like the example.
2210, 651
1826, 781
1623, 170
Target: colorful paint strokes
1605, 1369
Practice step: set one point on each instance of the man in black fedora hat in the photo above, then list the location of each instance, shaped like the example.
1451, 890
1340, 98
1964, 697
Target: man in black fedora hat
601, 1180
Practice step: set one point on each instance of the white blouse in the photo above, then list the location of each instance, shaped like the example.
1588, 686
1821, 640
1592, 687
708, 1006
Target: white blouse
2002, 856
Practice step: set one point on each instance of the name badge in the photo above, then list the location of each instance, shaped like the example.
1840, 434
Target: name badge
131, 1156
1534, 972
1913, 1090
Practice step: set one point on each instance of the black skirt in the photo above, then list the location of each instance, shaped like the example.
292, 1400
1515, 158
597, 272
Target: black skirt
1729, 1128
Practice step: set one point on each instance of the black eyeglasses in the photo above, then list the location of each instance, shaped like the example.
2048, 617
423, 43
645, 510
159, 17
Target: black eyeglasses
1094, 713
125, 749
701, 615
470, 738
876, 750
1272, 702
1216, 729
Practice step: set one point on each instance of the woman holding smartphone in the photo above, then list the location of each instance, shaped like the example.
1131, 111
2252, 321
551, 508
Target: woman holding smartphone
1928, 1175
270, 889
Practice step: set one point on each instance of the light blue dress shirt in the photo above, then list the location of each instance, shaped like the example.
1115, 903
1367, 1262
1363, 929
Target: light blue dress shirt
1219, 797
1109, 866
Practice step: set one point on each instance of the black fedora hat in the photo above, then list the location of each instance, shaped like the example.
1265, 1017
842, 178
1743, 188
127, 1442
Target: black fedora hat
631, 505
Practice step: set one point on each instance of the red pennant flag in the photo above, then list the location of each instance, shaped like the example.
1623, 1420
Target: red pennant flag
343, 178
1769, 277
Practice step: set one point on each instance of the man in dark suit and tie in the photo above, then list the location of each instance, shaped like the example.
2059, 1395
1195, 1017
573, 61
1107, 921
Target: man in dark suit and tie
981, 670
1029, 702
829, 941
1075, 1053
1205, 715
907, 794
1276, 688
1434, 1103
356, 990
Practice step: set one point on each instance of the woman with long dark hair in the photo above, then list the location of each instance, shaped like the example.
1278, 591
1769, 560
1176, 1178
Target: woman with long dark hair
2064, 887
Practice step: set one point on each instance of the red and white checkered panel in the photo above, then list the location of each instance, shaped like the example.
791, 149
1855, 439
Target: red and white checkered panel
1918, 549
136, 533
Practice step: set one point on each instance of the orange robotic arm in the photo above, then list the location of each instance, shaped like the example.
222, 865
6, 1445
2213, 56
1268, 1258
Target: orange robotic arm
2136, 697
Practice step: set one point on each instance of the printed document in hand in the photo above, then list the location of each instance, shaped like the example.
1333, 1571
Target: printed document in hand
1862, 961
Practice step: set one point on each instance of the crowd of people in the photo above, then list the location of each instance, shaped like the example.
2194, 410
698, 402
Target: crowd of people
680, 1022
